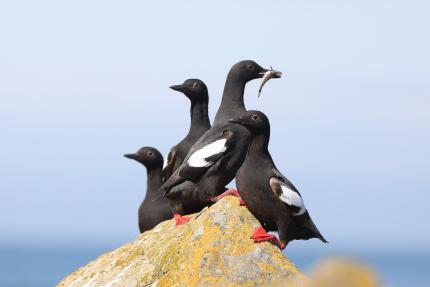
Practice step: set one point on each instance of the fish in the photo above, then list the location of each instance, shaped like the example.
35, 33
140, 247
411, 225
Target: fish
267, 76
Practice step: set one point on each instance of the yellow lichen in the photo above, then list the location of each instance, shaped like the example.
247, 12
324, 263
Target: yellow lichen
215, 249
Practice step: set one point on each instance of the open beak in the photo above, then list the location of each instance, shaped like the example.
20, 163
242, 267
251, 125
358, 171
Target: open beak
178, 88
130, 156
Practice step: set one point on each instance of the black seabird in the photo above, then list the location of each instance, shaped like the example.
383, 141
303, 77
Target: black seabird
211, 163
269, 195
197, 92
240, 73
232, 103
151, 213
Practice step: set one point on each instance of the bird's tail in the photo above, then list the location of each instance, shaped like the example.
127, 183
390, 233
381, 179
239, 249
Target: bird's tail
310, 226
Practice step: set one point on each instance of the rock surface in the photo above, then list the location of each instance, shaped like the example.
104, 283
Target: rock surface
213, 249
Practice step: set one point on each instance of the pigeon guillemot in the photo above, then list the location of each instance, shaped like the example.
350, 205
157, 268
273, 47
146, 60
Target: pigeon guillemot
232, 103
211, 163
197, 92
269, 195
151, 213
240, 73
178, 188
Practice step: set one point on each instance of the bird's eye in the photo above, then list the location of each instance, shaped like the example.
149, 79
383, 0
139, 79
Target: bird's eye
255, 117
150, 153
251, 67
195, 85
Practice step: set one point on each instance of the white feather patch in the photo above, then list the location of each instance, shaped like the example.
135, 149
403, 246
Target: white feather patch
198, 158
166, 160
291, 197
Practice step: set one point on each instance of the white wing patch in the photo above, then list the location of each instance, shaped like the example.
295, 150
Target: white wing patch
198, 158
166, 161
291, 197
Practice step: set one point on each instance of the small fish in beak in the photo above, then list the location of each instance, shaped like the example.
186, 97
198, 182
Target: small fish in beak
267, 76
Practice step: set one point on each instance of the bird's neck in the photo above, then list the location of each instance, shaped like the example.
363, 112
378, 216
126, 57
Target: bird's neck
199, 116
232, 99
153, 182
260, 144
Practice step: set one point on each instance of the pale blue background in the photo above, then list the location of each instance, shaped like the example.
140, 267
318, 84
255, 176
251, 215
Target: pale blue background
83, 82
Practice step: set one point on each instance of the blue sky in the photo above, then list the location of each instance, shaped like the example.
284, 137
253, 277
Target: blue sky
83, 82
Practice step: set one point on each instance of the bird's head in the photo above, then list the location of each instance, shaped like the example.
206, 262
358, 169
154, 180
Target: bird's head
194, 89
249, 70
148, 156
255, 121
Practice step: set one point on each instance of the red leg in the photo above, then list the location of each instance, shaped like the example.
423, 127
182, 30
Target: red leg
261, 235
230, 191
180, 219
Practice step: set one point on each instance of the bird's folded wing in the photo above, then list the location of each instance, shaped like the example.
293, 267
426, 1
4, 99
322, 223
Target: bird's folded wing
287, 193
203, 158
168, 165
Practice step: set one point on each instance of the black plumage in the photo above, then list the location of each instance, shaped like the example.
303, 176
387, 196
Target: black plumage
240, 74
191, 188
197, 92
269, 195
151, 212
211, 163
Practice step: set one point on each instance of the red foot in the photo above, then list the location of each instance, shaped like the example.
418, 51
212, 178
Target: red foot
230, 191
180, 219
261, 235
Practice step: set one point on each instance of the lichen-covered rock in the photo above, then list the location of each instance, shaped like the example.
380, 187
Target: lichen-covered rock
213, 249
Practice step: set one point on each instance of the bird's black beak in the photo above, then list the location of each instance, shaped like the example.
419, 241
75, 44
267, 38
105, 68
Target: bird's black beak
131, 156
179, 88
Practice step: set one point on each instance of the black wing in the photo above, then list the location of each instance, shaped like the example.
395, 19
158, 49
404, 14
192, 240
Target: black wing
287, 193
199, 160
